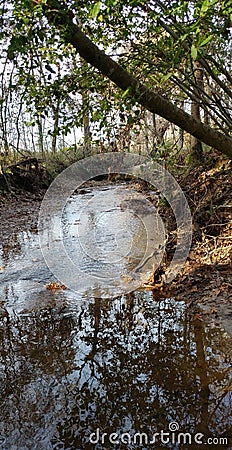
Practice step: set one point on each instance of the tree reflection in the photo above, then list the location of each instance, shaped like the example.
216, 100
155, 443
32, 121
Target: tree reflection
125, 365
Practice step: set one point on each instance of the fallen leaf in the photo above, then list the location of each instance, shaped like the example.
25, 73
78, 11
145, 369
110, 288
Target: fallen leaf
55, 286
197, 317
194, 289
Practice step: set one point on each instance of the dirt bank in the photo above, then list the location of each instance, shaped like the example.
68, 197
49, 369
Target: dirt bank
18, 212
206, 280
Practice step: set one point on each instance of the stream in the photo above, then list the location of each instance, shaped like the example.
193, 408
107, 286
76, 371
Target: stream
87, 370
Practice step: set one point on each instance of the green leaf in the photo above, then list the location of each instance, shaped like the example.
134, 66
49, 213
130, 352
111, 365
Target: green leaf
126, 92
184, 37
29, 123
166, 77
205, 41
193, 52
17, 44
205, 6
95, 10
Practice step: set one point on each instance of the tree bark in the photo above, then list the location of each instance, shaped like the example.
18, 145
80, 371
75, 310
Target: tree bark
56, 111
59, 16
86, 124
40, 131
196, 151
56, 125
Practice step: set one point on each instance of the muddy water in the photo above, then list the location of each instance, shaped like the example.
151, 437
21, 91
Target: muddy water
73, 367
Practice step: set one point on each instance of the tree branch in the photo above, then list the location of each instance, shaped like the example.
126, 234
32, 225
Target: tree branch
59, 16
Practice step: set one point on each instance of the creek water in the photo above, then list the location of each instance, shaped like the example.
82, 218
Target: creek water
86, 371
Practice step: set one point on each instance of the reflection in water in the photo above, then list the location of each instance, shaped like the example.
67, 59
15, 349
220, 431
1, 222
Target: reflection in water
129, 365
107, 235
106, 239
72, 365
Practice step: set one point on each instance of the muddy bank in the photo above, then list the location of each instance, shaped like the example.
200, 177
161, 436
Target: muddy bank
206, 280
18, 212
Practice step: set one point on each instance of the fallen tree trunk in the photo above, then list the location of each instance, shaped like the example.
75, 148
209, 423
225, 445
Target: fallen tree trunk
26, 164
27, 174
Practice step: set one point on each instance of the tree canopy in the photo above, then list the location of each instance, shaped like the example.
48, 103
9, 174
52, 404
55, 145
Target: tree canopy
150, 50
